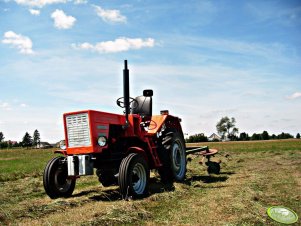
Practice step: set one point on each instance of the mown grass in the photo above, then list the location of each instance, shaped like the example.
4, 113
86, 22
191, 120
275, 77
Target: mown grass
254, 176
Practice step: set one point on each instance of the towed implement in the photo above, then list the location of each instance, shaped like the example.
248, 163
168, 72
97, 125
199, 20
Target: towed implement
121, 148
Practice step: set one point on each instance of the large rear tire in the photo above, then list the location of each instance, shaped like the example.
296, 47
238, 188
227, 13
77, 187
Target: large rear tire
133, 176
55, 179
173, 157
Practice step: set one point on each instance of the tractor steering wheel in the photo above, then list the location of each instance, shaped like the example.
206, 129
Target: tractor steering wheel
120, 102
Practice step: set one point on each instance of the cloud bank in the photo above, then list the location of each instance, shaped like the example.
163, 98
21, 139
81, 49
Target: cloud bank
23, 43
61, 20
110, 16
118, 45
34, 12
39, 3
294, 96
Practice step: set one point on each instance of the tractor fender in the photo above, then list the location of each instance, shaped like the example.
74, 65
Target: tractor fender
138, 150
168, 120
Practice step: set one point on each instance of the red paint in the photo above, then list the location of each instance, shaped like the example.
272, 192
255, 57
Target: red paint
99, 123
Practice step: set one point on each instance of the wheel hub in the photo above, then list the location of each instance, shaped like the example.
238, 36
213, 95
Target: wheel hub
139, 178
61, 180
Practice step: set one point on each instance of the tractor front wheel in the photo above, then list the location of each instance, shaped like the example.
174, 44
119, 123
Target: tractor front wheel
55, 179
133, 176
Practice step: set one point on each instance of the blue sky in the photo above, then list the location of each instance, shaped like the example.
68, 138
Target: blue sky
203, 59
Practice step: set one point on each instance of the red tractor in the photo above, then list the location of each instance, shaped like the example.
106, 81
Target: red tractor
122, 148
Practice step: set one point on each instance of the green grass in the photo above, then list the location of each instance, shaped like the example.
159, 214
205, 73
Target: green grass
21, 163
254, 176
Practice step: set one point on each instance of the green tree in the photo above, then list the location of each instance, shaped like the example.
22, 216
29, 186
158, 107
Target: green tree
16, 144
36, 138
265, 135
1, 137
27, 140
298, 136
256, 136
226, 128
197, 138
244, 136
3, 144
285, 136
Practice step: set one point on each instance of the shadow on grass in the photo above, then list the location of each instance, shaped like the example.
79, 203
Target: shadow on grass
156, 186
84, 193
226, 173
108, 195
206, 179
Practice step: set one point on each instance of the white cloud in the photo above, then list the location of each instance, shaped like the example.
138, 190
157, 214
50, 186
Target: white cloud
80, 2
294, 96
118, 45
23, 43
108, 15
23, 105
61, 20
39, 3
34, 12
5, 106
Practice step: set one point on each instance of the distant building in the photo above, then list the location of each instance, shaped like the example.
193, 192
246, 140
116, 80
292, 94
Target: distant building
44, 145
214, 137
12, 142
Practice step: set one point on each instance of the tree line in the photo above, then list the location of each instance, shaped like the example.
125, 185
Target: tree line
242, 137
27, 141
227, 130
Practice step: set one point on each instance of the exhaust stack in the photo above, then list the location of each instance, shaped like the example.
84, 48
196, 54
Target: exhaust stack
126, 90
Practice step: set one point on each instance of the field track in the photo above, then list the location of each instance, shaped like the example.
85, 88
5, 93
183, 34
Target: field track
254, 176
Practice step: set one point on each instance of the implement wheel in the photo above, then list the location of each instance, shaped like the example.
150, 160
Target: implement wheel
173, 157
55, 179
133, 176
213, 167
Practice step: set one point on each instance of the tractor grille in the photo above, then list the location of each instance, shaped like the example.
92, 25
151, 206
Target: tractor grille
78, 130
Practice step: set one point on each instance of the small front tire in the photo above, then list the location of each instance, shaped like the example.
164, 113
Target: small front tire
55, 179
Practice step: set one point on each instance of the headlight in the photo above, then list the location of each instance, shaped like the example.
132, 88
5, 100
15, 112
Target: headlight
102, 141
62, 145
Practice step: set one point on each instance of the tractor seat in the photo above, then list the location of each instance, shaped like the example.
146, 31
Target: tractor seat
144, 108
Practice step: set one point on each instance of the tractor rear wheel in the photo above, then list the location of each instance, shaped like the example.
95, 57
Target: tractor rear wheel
133, 176
173, 157
55, 179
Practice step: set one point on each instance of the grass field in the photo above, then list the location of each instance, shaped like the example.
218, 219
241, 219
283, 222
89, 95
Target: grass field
254, 176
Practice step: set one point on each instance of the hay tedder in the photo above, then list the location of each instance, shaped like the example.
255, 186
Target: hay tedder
122, 148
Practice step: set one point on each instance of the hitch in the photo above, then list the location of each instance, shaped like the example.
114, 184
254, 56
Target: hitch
213, 167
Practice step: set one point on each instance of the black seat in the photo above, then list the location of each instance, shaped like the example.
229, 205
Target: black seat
144, 108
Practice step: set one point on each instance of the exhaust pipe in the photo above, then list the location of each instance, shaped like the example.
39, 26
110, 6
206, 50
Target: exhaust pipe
126, 91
